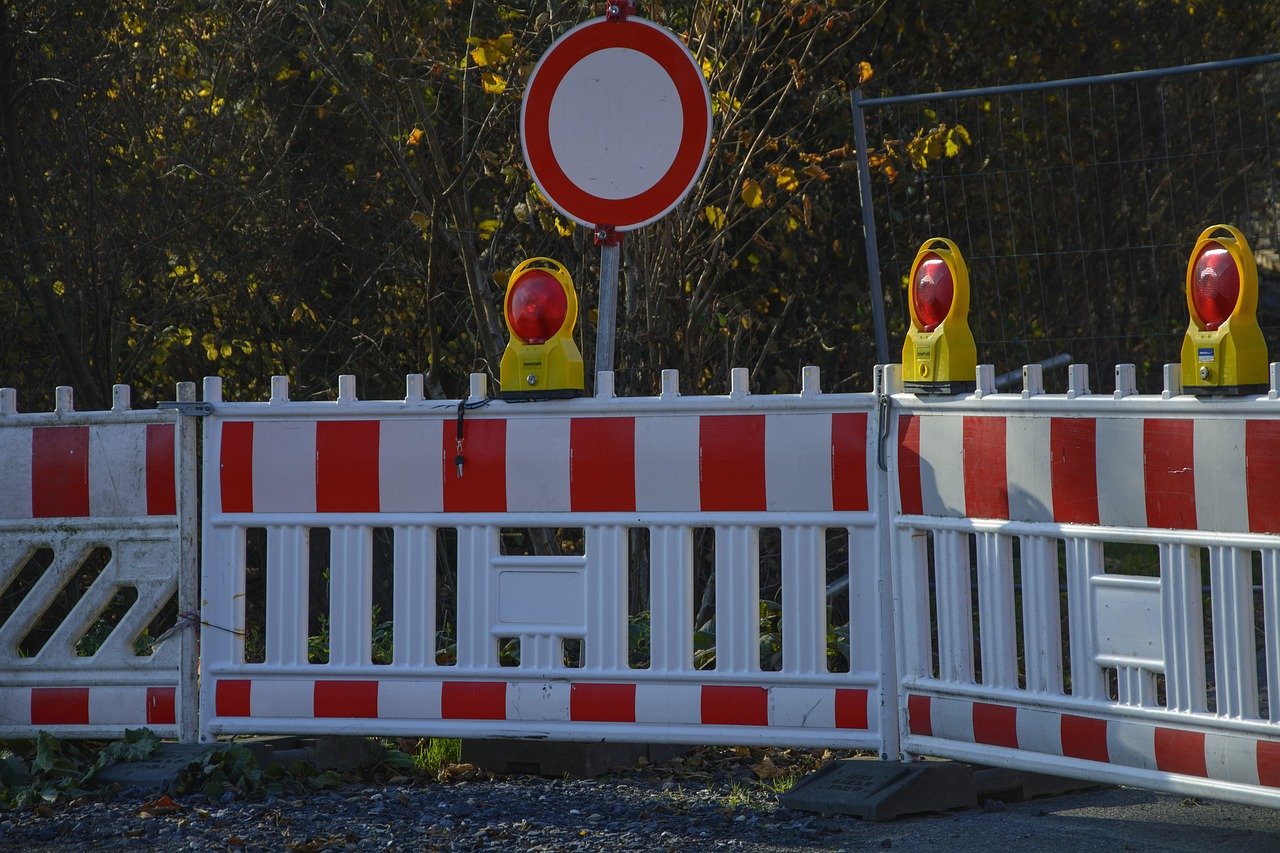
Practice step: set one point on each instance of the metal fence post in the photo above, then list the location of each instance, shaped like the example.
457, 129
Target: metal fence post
869, 229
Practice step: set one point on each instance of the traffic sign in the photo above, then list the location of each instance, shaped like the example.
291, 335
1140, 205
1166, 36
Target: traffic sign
616, 123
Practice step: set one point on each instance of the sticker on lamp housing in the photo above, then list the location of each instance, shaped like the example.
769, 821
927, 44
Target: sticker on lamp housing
1205, 353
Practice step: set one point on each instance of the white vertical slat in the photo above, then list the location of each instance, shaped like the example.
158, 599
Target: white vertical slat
670, 599
804, 605
1235, 661
1135, 686
288, 594
1271, 611
1182, 628
1041, 613
222, 606
540, 652
477, 547
117, 470
1084, 560
606, 581
955, 606
15, 471
351, 595
912, 588
996, 611
737, 599
865, 617
414, 596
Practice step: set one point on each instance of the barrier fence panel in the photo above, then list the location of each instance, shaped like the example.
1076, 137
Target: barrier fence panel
680, 569
97, 559
1089, 583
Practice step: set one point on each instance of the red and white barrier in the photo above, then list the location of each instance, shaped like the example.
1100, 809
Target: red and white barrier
1020, 496
112, 491
667, 465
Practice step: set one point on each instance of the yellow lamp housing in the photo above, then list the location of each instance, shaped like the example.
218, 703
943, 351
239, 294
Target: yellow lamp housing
541, 308
939, 356
1223, 352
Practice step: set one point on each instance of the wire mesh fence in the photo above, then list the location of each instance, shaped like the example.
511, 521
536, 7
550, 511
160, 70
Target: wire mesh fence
1077, 204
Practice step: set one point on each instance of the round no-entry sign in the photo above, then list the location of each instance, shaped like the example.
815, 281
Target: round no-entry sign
616, 123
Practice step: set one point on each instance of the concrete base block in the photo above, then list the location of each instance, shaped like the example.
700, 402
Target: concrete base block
157, 773
883, 790
550, 758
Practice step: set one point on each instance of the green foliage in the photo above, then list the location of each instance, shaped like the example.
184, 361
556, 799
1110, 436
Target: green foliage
48, 769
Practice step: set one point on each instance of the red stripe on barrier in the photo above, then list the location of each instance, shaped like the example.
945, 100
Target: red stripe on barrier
1179, 751
231, 697
483, 484
160, 706
986, 484
1262, 474
996, 725
350, 699
602, 703
1073, 466
735, 706
731, 462
162, 497
909, 493
851, 709
1269, 763
849, 462
473, 700
1168, 455
347, 466
602, 464
236, 474
59, 706
920, 715
1084, 737
59, 472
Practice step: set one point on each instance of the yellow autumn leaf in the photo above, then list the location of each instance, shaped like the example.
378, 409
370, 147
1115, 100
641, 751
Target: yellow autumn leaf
956, 137
715, 216
786, 178
494, 84
752, 195
486, 52
414, 137
421, 220
486, 227
564, 229
865, 72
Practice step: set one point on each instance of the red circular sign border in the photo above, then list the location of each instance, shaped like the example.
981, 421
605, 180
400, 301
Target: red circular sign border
662, 47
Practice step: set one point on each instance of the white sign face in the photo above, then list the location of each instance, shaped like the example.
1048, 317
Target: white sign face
616, 123
615, 142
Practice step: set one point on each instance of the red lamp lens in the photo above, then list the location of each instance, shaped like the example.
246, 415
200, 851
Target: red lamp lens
933, 291
1215, 285
537, 307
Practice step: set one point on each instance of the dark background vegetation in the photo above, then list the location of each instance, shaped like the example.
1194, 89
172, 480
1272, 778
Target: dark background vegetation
306, 188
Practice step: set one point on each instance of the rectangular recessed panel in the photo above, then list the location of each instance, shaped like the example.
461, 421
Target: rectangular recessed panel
117, 470
667, 464
410, 477
15, 472
1127, 618
541, 597
797, 472
284, 466
60, 471
1122, 501
538, 465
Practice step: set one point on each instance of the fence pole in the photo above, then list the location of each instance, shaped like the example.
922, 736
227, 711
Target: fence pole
869, 229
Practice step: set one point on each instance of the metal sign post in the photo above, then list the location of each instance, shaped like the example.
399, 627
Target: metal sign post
610, 243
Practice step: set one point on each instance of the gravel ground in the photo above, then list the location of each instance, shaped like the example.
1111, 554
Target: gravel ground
719, 806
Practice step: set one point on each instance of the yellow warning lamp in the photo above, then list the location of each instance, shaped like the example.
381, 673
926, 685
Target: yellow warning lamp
541, 360
939, 356
1223, 351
